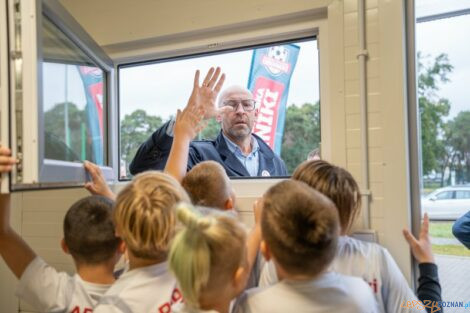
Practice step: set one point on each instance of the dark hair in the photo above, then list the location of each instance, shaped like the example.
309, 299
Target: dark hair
300, 227
334, 182
89, 231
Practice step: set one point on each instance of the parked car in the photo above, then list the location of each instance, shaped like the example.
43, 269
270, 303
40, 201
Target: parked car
447, 203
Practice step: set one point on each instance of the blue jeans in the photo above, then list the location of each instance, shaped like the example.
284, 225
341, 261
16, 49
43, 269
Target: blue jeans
461, 229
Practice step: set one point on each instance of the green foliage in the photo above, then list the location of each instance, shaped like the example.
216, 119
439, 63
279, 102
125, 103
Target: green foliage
211, 131
301, 133
458, 139
136, 128
56, 146
433, 110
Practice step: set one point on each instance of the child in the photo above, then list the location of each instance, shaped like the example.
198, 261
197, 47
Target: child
209, 260
145, 220
300, 232
208, 185
369, 261
88, 237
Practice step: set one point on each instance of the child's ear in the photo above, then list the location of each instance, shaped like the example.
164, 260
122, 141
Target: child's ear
64, 247
122, 247
265, 250
240, 279
229, 204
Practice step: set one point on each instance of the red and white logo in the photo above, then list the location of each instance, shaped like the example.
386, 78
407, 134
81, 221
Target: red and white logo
268, 94
276, 60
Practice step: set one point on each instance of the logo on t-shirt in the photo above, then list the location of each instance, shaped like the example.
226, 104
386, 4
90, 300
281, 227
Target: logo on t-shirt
176, 297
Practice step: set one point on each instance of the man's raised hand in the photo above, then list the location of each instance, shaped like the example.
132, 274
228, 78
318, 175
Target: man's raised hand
205, 95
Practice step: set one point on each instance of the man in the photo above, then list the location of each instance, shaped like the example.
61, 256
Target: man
461, 229
236, 148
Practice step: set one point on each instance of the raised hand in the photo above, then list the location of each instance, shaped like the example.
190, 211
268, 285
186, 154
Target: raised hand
205, 95
97, 185
189, 122
6, 160
421, 247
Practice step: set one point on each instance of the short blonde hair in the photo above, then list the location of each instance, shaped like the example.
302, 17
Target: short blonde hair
208, 185
300, 227
144, 213
206, 254
337, 184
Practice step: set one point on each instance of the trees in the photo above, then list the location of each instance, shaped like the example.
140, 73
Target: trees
211, 131
301, 133
458, 136
136, 128
433, 111
56, 146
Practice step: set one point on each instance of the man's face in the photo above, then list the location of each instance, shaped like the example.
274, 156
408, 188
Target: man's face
238, 123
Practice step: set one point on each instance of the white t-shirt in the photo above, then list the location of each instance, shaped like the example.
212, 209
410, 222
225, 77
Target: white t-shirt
330, 292
149, 289
371, 262
47, 290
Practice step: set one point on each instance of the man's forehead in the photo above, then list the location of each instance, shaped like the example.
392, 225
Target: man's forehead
235, 92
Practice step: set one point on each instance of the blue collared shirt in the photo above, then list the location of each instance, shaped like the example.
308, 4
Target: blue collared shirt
250, 161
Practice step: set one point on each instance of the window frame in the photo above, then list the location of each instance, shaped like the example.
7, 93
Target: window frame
46, 173
318, 32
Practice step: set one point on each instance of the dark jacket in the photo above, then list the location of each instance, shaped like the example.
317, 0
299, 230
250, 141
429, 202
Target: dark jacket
153, 154
461, 229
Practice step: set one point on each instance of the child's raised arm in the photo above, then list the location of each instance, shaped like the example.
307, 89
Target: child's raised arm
254, 238
201, 105
13, 249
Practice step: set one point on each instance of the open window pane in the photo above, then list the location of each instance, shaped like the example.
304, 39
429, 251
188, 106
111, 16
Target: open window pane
73, 89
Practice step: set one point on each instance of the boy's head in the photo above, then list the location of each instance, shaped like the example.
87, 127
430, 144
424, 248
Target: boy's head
144, 213
89, 233
208, 185
299, 227
337, 184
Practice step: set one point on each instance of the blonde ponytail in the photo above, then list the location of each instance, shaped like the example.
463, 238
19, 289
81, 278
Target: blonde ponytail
206, 252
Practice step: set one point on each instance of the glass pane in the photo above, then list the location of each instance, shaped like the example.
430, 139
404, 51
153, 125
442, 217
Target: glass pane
443, 95
462, 194
444, 195
150, 94
73, 89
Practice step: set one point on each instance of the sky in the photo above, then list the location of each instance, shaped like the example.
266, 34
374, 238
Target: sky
449, 36
162, 88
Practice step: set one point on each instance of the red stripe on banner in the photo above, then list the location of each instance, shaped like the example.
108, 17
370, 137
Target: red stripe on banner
268, 94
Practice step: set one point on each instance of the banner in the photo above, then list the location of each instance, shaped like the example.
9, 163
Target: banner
92, 78
270, 74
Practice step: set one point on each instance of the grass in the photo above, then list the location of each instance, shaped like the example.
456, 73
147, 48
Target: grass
444, 230
441, 229
459, 250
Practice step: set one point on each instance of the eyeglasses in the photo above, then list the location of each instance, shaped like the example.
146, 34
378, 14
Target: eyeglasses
247, 104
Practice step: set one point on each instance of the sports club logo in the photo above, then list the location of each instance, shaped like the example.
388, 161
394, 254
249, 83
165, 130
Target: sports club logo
276, 60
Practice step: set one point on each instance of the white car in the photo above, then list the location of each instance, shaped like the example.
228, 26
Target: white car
447, 203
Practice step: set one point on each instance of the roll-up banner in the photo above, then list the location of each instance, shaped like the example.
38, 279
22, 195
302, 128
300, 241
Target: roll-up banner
92, 78
270, 74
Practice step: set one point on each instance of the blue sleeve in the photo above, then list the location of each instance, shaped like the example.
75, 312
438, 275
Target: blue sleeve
153, 153
461, 229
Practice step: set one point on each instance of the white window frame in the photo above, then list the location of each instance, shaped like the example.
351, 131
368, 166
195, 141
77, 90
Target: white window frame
36, 171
